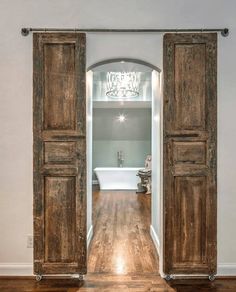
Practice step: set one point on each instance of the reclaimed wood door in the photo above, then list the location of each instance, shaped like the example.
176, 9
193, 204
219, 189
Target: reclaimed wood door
190, 128
59, 126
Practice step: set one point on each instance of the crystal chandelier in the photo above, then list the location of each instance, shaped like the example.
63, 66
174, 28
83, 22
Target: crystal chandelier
122, 84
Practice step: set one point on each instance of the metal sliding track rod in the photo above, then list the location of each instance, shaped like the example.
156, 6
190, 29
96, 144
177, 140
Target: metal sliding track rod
25, 31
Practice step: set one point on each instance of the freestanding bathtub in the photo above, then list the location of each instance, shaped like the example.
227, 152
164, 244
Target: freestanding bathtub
117, 178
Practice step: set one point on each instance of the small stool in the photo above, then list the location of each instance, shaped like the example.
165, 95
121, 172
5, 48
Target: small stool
145, 186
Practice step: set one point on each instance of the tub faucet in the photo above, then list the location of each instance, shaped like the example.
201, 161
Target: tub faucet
120, 158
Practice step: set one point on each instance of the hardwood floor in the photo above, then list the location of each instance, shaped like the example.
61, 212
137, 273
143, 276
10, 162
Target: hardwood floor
125, 283
122, 242
122, 256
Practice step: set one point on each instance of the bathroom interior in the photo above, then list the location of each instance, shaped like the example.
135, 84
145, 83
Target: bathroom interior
123, 164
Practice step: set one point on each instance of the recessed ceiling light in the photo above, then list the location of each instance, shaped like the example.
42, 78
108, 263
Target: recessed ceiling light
121, 118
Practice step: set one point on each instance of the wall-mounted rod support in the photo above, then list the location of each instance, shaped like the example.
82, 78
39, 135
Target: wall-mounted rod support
25, 31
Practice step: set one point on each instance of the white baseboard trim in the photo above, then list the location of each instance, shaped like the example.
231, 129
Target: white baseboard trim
155, 239
26, 269
89, 235
16, 269
226, 269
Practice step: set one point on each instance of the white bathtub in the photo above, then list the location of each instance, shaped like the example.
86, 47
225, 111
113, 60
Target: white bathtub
117, 178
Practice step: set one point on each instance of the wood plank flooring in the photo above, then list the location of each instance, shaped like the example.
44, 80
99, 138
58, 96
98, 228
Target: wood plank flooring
104, 283
122, 220
122, 242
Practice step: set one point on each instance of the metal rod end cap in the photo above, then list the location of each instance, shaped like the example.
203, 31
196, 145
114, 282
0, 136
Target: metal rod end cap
25, 31
225, 32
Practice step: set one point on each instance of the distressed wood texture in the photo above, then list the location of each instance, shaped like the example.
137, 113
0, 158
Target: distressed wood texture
190, 110
59, 154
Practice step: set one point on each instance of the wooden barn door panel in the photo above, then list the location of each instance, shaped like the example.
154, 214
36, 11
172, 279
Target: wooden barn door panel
59, 154
190, 153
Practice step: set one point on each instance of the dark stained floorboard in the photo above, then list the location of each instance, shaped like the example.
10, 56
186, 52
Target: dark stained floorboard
105, 282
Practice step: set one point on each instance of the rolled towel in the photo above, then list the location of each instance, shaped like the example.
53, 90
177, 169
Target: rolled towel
145, 172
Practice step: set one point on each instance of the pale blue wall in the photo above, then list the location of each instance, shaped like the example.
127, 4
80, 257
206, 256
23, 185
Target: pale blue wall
133, 137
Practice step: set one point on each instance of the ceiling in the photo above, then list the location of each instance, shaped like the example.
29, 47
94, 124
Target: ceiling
101, 100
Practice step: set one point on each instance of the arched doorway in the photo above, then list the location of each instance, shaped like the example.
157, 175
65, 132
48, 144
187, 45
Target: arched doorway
99, 104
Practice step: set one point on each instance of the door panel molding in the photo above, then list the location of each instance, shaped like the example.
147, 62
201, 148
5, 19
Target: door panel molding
189, 153
59, 126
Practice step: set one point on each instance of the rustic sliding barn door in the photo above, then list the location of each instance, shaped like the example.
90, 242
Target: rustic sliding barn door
59, 154
190, 153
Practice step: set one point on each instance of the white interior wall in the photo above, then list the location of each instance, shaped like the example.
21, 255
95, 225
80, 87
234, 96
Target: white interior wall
16, 97
156, 205
89, 145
